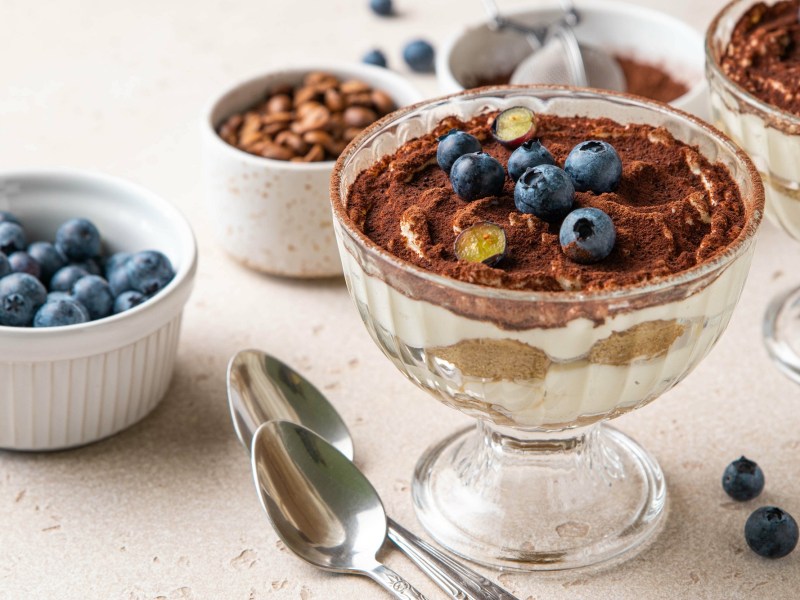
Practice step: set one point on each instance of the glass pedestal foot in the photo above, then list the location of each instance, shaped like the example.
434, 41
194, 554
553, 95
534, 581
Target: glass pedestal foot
534, 501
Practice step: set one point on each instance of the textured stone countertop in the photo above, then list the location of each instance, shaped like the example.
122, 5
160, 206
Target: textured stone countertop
166, 510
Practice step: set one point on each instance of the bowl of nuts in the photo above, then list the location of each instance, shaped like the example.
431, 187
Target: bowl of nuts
269, 148
94, 275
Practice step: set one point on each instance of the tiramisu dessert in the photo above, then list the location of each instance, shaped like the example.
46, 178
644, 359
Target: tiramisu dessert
599, 221
543, 259
753, 71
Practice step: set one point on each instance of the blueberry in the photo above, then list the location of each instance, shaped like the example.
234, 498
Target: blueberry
22, 262
78, 239
7, 217
594, 166
149, 271
375, 57
477, 175
90, 265
21, 295
418, 55
381, 7
12, 237
117, 259
545, 191
587, 235
743, 479
127, 300
65, 278
49, 258
95, 294
53, 296
454, 144
530, 154
57, 313
119, 281
771, 532
5, 267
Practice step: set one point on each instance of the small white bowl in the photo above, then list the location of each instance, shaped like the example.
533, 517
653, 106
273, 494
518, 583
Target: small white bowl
274, 215
620, 28
68, 386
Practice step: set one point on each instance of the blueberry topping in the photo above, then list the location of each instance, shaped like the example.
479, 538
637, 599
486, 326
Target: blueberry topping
381, 7
65, 278
148, 272
743, 479
22, 262
5, 267
528, 155
49, 258
127, 300
544, 191
594, 166
771, 532
454, 144
587, 235
78, 239
418, 55
56, 313
481, 243
12, 237
514, 126
20, 297
375, 57
477, 175
95, 294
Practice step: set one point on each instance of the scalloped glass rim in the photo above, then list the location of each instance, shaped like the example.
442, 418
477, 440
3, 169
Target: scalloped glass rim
713, 64
538, 95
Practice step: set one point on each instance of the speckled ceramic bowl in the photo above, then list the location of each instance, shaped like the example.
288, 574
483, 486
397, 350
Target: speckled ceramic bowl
274, 215
67, 386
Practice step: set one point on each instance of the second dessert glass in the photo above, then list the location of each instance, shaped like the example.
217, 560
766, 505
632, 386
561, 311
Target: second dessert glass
771, 137
541, 483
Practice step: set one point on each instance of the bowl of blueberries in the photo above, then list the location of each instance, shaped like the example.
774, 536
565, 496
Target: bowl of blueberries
94, 275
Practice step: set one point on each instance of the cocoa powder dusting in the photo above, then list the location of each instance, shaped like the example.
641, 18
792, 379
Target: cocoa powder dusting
672, 210
763, 54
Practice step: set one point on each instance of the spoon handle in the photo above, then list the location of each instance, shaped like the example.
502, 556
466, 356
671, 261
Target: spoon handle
393, 583
457, 580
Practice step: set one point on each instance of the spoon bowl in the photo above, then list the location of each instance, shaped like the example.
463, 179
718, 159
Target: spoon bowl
321, 505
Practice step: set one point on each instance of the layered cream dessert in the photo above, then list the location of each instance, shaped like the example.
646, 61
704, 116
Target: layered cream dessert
755, 96
537, 340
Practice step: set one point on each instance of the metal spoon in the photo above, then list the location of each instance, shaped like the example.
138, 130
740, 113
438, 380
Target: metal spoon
320, 504
262, 388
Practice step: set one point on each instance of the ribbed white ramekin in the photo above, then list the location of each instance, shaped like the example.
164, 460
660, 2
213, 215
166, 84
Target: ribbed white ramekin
67, 386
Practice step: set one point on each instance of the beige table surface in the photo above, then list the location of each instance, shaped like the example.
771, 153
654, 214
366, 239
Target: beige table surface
167, 509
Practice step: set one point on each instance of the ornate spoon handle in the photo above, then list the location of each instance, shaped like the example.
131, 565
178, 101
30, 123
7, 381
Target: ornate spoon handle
393, 583
457, 580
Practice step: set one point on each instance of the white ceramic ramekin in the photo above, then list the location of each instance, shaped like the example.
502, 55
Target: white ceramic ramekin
622, 28
67, 386
274, 215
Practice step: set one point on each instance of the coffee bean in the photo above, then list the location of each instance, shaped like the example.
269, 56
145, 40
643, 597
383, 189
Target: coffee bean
358, 116
308, 123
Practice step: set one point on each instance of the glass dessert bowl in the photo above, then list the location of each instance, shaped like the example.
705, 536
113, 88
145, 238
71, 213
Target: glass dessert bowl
541, 483
771, 136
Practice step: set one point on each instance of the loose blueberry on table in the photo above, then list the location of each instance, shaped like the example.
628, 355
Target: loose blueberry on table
771, 532
375, 57
381, 7
57, 284
743, 479
419, 55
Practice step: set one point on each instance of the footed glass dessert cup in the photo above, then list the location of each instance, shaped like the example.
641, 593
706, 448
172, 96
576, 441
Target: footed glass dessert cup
541, 483
771, 137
